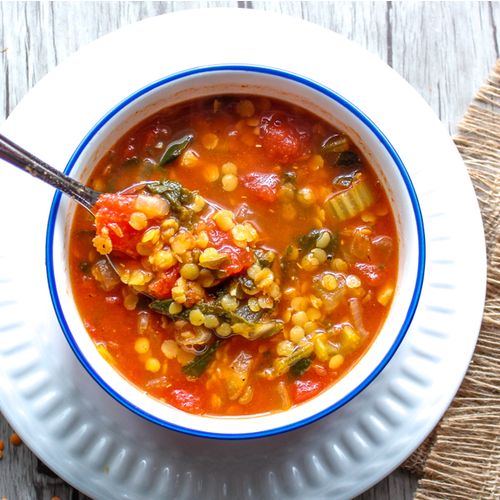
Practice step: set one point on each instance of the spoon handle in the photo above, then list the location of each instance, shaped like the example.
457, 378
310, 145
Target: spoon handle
20, 158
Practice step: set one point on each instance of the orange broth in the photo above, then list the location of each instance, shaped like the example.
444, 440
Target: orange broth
286, 174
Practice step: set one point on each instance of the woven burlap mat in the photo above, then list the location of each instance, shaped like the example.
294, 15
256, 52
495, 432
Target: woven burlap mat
461, 458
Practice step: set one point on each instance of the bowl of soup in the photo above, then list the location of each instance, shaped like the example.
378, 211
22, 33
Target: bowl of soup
254, 260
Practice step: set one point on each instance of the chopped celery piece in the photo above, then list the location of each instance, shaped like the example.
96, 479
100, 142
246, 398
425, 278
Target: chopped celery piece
322, 349
335, 144
349, 340
351, 202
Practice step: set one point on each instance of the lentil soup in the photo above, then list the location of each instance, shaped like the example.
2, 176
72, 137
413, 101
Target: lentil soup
265, 242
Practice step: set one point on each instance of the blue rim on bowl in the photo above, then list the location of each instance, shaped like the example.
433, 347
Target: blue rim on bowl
307, 83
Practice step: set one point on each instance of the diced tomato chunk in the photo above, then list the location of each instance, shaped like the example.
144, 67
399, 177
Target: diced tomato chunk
241, 258
264, 186
217, 237
161, 287
369, 273
184, 400
113, 211
115, 206
280, 139
304, 389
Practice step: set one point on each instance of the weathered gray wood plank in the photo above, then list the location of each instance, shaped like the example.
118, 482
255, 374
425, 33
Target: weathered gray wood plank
443, 49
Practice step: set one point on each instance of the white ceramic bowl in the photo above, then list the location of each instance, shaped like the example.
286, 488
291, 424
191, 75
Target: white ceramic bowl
325, 103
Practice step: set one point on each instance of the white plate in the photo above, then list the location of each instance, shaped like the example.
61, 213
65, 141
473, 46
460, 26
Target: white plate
110, 453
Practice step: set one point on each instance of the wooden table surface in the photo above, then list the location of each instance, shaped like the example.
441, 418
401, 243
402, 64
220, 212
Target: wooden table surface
445, 50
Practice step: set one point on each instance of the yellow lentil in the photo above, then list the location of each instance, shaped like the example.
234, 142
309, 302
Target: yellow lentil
153, 365
245, 108
310, 327
297, 333
15, 439
306, 196
170, 349
224, 330
229, 168
209, 141
229, 182
189, 159
138, 220
352, 281
285, 347
300, 318
319, 254
196, 317
130, 301
211, 173
211, 321
300, 304
336, 361
224, 219
142, 345
190, 271
329, 282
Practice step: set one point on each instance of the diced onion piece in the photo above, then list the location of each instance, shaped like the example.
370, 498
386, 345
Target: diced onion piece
105, 274
330, 298
286, 403
152, 206
240, 370
357, 316
143, 323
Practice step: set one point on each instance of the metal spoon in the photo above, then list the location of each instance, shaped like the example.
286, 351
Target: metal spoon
17, 156
85, 196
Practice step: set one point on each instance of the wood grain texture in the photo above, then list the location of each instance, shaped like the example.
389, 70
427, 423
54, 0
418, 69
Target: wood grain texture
445, 50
